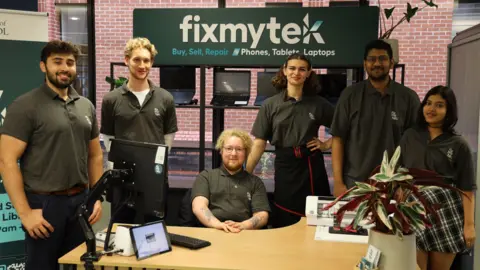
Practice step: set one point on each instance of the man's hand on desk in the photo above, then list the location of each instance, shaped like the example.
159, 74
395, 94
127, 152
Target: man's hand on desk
226, 227
240, 226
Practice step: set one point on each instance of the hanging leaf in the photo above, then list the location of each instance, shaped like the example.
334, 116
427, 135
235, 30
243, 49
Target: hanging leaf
388, 12
365, 186
360, 215
410, 12
401, 177
430, 3
382, 214
380, 177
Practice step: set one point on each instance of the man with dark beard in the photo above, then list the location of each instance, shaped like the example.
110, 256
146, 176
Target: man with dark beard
370, 117
137, 111
53, 132
229, 198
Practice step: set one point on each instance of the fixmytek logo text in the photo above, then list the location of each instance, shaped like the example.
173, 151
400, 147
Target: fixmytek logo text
290, 33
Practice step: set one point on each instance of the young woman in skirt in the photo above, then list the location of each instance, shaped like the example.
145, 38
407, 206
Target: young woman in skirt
434, 145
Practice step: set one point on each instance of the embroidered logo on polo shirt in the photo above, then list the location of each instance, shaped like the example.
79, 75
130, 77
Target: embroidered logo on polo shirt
88, 120
311, 116
450, 154
394, 116
157, 112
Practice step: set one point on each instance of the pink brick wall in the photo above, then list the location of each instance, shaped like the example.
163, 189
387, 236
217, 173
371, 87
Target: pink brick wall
423, 48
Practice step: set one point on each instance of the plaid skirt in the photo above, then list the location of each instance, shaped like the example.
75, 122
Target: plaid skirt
446, 235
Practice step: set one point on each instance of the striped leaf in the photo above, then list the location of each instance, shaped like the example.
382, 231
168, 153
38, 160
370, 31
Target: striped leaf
360, 215
382, 214
415, 218
418, 207
401, 177
380, 177
394, 160
365, 186
384, 168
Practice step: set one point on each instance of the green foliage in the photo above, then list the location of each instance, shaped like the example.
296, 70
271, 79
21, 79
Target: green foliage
383, 199
116, 82
407, 16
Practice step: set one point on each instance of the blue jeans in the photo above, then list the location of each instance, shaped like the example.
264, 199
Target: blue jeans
59, 211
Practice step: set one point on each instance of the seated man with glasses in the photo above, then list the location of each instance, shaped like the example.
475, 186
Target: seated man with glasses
229, 198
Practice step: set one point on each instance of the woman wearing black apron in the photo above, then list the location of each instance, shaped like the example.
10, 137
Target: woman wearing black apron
290, 120
434, 145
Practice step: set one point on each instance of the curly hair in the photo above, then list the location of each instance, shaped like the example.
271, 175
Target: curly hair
139, 42
310, 86
235, 132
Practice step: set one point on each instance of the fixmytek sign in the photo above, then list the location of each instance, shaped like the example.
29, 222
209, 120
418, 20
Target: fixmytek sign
258, 36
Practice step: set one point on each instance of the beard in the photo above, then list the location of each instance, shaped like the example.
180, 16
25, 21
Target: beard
232, 167
380, 77
53, 79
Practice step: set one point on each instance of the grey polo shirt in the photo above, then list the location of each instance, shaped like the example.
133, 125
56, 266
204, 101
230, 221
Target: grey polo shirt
369, 123
286, 122
124, 117
57, 134
231, 197
448, 155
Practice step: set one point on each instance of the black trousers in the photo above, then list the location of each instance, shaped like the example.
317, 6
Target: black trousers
59, 211
298, 173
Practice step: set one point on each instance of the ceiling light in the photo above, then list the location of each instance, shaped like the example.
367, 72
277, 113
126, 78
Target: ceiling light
74, 18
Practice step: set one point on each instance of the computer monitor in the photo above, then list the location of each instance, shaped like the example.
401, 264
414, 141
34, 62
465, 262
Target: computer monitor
232, 82
148, 186
264, 84
331, 86
178, 78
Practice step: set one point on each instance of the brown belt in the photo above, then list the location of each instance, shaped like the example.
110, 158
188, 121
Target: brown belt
69, 192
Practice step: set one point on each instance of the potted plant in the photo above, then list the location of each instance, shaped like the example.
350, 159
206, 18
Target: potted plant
407, 16
115, 82
385, 204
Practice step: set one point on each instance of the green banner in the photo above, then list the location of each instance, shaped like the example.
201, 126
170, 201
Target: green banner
258, 37
20, 73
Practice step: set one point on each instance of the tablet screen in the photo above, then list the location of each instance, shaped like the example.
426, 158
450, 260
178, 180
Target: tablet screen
150, 239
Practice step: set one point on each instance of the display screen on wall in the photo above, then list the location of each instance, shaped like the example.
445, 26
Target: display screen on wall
257, 37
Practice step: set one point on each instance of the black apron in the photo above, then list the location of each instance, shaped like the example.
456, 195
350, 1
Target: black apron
298, 173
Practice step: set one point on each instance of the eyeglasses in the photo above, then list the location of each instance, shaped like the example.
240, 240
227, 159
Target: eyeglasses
381, 59
229, 150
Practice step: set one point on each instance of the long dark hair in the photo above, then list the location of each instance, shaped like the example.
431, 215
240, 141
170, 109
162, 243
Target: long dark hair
310, 86
451, 117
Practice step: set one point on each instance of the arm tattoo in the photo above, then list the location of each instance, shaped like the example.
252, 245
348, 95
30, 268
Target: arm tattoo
206, 212
255, 221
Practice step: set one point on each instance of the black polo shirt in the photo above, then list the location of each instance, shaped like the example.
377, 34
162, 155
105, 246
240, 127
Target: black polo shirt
231, 197
448, 155
57, 133
124, 117
369, 123
286, 122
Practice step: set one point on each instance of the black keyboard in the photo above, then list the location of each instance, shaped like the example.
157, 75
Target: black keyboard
188, 242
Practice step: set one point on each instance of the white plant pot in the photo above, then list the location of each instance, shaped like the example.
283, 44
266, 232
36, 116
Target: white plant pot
396, 254
394, 44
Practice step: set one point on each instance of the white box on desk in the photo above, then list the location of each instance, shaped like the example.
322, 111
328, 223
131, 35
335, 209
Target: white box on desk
325, 218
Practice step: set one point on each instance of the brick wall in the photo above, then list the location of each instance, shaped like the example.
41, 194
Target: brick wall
423, 48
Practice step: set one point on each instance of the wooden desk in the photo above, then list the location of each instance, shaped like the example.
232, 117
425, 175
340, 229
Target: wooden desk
291, 247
